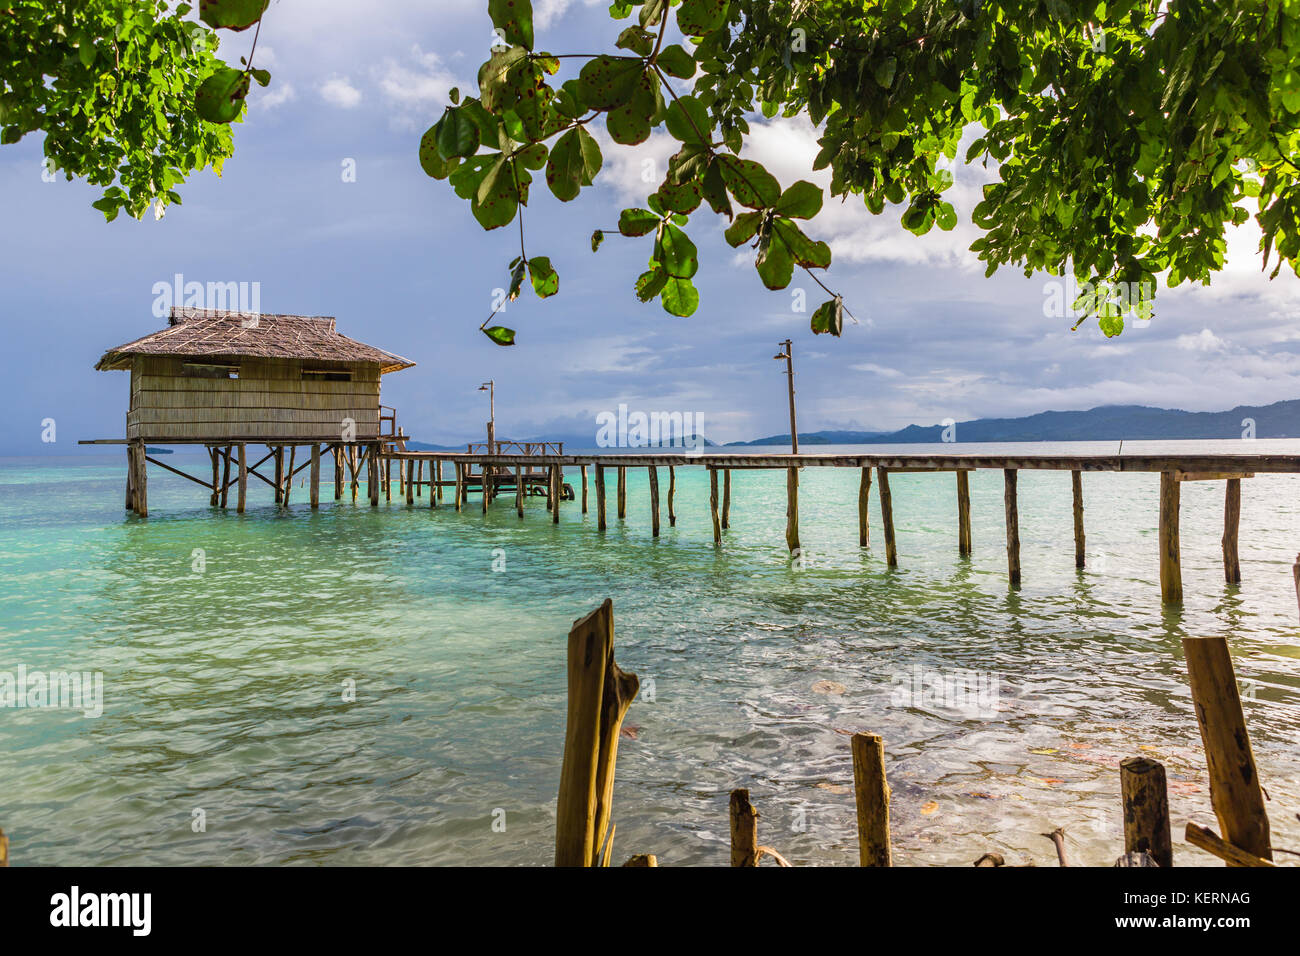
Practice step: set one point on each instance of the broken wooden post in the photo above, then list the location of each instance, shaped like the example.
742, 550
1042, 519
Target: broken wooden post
600, 497
315, 476
227, 454
672, 492
437, 482
288, 477
622, 492
872, 791
519, 490
744, 830
642, 859
1231, 522
242, 497
713, 506
583, 469
864, 496
1009, 476
1235, 791
599, 696
887, 517
963, 514
654, 501
1171, 572
419, 478
1146, 809
1076, 486
726, 498
460, 486
792, 509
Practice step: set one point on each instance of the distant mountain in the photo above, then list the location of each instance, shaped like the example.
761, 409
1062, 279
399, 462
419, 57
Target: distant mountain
1107, 423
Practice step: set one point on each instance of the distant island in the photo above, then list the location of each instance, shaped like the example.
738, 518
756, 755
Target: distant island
1106, 423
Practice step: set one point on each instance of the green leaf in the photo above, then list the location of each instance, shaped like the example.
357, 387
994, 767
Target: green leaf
688, 120
574, 162
497, 199
945, 216
637, 222
743, 229
608, 82
597, 238
884, 71
684, 198
630, 124
514, 20
458, 136
714, 190
232, 14
680, 297
677, 253
829, 317
803, 200
637, 40
804, 251
675, 61
546, 281
750, 183
431, 160
220, 98
500, 335
650, 284
263, 77
775, 265
698, 17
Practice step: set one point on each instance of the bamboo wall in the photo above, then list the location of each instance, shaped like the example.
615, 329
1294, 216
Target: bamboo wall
269, 399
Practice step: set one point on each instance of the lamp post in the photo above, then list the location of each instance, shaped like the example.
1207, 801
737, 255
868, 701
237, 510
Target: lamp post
787, 353
490, 388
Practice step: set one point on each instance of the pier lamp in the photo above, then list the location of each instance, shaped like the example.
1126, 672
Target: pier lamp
490, 387
787, 353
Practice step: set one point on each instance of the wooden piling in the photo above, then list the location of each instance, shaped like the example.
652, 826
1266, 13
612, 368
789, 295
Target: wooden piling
288, 478
315, 476
599, 695
372, 475
744, 830
1080, 552
557, 484
864, 498
600, 497
1171, 572
887, 517
216, 477
726, 498
483, 485
419, 479
1009, 478
338, 472
242, 497
792, 509
583, 469
1235, 790
460, 486
1231, 522
279, 474
654, 501
964, 547
1146, 809
713, 507
872, 790
672, 494
622, 492
437, 481
225, 474
141, 481
410, 481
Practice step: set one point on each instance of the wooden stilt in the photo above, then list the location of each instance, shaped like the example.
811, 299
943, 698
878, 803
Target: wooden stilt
1146, 809
584, 489
713, 506
519, 490
744, 830
483, 485
872, 790
130, 478
887, 517
410, 481
1231, 521
279, 474
963, 514
864, 496
315, 476
225, 475
372, 475
1171, 572
338, 472
1080, 548
1009, 477
672, 493
557, 482
600, 693
622, 493
242, 498
654, 501
435, 476
354, 466
600, 497
216, 476
460, 486
1235, 791
726, 498
438, 479
419, 479
388, 477
288, 478
792, 509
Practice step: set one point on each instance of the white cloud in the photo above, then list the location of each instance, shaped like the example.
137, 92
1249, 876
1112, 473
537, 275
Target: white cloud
417, 84
1203, 341
339, 91
277, 94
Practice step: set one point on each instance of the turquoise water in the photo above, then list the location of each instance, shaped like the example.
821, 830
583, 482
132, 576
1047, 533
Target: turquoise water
224, 682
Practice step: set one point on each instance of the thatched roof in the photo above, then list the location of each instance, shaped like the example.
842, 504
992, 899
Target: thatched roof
217, 334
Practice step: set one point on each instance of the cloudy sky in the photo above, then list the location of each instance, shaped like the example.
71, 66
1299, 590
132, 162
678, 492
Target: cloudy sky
403, 265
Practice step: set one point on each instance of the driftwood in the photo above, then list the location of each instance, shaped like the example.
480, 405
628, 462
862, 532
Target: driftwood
1209, 841
991, 859
1057, 837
